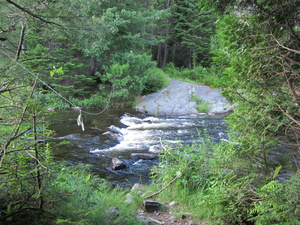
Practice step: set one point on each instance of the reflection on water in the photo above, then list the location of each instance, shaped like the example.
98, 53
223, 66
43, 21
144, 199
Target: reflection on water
119, 133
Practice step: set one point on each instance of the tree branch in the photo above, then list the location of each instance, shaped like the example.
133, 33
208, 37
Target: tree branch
288, 115
179, 175
31, 14
281, 45
21, 41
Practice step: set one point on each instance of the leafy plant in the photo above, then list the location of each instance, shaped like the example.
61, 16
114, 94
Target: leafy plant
97, 199
156, 80
202, 106
278, 202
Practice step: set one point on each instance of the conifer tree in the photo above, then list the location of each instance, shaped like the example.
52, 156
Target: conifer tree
194, 28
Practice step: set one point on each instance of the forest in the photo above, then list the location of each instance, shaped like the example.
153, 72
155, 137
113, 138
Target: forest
94, 54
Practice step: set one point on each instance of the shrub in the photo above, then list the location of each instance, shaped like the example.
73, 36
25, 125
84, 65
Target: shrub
171, 70
156, 80
200, 75
278, 203
94, 101
52, 100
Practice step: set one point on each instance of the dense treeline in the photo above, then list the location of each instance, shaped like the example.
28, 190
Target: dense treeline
253, 178
94, 53
82, 48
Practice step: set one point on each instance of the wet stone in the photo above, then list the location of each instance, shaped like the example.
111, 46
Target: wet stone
144, 156
118, 164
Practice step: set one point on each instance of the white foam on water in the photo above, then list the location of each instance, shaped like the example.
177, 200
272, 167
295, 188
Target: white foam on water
150, 133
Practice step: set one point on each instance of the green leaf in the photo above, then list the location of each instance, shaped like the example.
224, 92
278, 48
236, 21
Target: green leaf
276, 171
87, 178
52, 73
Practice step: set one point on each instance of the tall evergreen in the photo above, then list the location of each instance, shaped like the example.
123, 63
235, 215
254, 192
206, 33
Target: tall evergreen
193, 29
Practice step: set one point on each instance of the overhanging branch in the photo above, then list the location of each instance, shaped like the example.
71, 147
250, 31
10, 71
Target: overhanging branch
31, 14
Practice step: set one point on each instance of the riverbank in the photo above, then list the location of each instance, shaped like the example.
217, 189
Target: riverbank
181, 98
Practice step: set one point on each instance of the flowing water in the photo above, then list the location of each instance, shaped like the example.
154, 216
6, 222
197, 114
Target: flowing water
119, 133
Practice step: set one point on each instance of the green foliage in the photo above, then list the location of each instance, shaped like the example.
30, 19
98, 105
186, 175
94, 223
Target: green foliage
57, 66
25, 158
194, 28
156, 80
212, 184
96, 198
129, 74
257, 83
189, 161
94, 101
53, 101
200, 75
202, 106
278, 203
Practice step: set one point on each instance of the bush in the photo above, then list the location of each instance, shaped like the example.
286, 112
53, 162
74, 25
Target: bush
52, 100
94, 101
278, 203
171, 70
156, 80
128, 75
214, 183
199, 75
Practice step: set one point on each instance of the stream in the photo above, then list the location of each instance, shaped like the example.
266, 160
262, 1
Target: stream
119, 133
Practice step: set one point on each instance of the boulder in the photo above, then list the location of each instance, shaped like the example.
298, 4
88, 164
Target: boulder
115, 129
139, 188
118, 164
113, 136
177, 100
152, 206
113, 212
144, 156
172, 204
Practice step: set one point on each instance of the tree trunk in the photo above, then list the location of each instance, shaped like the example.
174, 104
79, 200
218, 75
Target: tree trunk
158, 57
93, 66
165, 59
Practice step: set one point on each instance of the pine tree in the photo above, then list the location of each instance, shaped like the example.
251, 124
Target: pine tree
194, 28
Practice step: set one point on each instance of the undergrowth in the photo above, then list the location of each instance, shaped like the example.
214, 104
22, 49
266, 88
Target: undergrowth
86, 199
215, 185
73, 196
198, 75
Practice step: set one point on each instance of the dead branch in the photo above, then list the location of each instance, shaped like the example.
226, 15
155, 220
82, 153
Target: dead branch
179, 175
288, 115
287, 48
22, 35
31, 14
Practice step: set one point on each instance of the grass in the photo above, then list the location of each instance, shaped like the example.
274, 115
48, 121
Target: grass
201, 105
82, 198
198, 75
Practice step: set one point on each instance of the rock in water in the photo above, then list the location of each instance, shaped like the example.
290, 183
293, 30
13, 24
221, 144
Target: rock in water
118, 164
115, 129
144, 156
